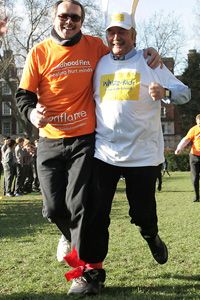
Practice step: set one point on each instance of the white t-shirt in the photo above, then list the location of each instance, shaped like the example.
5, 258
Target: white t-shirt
128, 130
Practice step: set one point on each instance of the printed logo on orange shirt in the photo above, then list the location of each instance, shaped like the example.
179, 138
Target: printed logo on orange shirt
71, 67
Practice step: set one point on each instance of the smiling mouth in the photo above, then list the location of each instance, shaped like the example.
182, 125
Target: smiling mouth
117, 44
66, 28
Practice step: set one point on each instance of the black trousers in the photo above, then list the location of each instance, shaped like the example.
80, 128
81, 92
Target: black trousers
64, 170
195, 171
140, 192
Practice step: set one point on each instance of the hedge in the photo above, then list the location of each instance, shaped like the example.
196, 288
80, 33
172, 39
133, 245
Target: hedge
177, 162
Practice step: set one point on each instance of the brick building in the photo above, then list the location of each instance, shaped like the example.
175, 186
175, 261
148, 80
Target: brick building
8, 84
170, 117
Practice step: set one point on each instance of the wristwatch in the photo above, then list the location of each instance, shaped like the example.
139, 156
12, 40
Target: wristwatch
167, 94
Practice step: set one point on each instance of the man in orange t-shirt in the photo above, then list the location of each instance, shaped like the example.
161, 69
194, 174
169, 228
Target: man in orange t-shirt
56, 95
193, 136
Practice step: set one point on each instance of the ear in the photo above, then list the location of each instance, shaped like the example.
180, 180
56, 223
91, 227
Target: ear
134, 34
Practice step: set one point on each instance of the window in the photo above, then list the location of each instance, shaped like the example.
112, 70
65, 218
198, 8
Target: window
20, 129
5, 89
163, 129
168, 128
163, 112
6, 110
6, 128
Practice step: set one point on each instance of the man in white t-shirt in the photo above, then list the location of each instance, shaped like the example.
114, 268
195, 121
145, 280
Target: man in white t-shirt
129, 141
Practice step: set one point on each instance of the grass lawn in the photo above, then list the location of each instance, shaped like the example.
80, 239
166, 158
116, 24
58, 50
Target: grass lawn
29, 270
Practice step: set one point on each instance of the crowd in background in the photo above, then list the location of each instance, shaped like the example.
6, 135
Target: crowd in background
18, 164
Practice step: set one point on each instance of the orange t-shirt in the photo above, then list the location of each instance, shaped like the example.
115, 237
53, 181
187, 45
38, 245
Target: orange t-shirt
194, 135
62, 78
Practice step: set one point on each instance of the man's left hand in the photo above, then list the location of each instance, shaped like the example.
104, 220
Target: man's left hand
156, 91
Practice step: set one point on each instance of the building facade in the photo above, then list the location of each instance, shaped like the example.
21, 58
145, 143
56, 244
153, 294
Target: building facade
171, 124
9, 125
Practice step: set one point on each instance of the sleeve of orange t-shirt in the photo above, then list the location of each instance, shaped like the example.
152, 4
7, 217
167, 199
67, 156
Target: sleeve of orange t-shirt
31, 71
190, 134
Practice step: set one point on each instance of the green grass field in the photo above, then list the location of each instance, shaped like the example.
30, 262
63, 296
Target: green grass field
29, 270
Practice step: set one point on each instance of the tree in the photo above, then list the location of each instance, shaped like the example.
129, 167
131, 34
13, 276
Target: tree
191, 77
164, 33
93, 23
23, 33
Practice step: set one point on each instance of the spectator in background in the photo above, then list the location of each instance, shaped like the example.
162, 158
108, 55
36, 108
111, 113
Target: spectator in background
36, 183
193, 137
9, 165
3, 150
165, 167
27, 166
19, 154
5, 146
159, 178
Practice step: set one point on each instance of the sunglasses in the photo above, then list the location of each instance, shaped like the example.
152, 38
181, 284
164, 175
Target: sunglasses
75, 18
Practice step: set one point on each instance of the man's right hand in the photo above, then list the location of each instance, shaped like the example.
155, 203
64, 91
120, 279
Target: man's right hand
38, 119
177, 151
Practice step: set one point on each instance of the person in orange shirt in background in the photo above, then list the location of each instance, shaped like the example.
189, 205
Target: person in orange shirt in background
56, 95
193, 136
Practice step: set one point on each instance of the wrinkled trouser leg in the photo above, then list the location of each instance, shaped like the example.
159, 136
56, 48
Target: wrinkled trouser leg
64, 170
94, 234
140, 191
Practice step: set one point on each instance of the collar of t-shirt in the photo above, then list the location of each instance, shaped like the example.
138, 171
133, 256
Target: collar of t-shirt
58, 40
124, 57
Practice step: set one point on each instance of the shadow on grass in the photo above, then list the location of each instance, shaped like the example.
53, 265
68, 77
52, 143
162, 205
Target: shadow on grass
120, 293
176, 191
179, 277
20, 217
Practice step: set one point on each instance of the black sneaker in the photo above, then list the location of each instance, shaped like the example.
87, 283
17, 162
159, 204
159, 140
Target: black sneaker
159, 188
196, 199
90, 283
158, 249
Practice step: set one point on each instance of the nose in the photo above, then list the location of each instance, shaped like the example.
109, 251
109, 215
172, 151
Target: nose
68, 19
116, 36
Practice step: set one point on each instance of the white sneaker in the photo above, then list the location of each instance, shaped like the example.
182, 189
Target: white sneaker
81, 286
64, 248
91, 283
